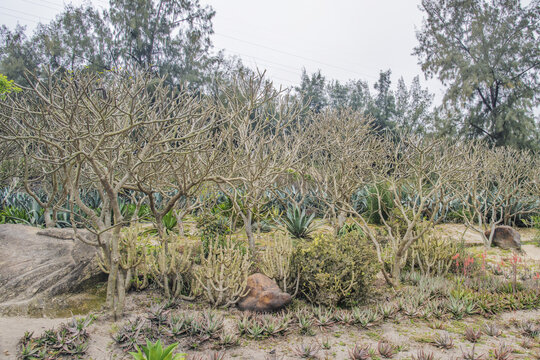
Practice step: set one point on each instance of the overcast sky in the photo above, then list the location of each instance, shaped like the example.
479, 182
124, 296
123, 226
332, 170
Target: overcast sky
345, 39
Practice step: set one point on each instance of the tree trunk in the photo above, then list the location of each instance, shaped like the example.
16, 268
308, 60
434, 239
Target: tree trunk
49, 221
249, 231
341, 218
179, 222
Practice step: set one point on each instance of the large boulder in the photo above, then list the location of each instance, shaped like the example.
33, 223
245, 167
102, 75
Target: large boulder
39, 264
264, 295
505, 237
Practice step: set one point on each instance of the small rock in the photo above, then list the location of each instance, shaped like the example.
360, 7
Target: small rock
505, 237
264, 295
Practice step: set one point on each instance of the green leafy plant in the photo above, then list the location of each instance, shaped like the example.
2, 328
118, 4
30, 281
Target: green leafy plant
335, 271
297, 223
156, 352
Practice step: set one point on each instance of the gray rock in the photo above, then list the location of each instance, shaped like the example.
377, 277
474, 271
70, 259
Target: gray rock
505, 237
38, 264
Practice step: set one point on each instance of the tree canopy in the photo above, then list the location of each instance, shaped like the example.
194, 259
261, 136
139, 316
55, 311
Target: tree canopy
487, 54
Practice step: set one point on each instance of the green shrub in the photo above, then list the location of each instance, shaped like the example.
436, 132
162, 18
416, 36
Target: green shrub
432, 255
335, 271
213, 225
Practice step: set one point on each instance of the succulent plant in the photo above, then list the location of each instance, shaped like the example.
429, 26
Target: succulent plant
297, 223
307, 351
323, 316
359, 352
344, 317
472, 335
503, 352
491, 329
305, 322
471, 354
423, 355
456, 307
386, 350
228, 340
530, 329
443, 341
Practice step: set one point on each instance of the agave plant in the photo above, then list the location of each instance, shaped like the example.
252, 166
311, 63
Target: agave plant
156, 352
297, 223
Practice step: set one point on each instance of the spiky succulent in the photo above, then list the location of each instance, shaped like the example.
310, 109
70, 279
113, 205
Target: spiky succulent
297, 223
491, 329
443, 341
503, 352
471, 354
305, 322
472, 335
359, 352
323, 317
423, 355
386, 350
307, 351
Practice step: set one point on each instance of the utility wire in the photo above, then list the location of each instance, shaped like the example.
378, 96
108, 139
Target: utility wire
294, 55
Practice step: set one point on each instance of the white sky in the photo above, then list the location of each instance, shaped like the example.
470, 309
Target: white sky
346, 39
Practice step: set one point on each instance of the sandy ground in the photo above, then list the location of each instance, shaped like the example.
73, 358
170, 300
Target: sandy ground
409, 334
13, 328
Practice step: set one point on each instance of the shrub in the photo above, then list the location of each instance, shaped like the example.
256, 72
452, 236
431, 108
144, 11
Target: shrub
276, 263
432, 255
335, 270
212, 225
169, 265
222, 275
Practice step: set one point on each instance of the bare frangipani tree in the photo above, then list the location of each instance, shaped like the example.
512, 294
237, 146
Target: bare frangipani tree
342, 147
418, 174
104, 129
500, 187
260, 143
349, 156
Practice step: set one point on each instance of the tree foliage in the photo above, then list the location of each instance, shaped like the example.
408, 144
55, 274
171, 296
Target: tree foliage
170, 36
487, 54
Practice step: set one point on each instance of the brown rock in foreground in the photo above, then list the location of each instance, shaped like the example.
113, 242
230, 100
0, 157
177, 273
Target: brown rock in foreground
505, 237
39, 264
264, 295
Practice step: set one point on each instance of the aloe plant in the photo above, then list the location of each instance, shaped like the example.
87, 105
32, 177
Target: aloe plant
297, 223
156, 352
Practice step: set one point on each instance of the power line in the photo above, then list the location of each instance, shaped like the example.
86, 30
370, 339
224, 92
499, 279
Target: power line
21, 18
20, 12
46, 6
294, 55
